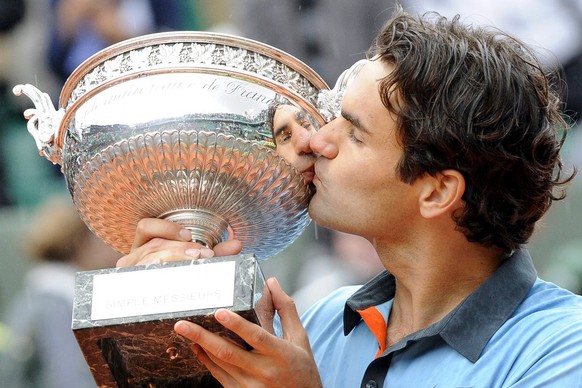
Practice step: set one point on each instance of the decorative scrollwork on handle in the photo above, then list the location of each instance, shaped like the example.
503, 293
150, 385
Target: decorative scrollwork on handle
44, 121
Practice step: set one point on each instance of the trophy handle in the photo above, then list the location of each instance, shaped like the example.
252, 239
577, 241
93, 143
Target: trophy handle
329, 101
43, 122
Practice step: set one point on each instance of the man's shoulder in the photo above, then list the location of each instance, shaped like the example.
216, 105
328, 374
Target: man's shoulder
547, 299
548, 309
543, 338
548, 319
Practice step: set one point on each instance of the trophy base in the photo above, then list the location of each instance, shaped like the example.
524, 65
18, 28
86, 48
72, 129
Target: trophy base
124, 318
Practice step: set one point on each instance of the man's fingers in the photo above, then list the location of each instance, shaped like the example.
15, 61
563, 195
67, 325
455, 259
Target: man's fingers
254, 335
158, 257
214, 367
291, 323
228, 248
213, 344
163, 251
272, 361
150, 228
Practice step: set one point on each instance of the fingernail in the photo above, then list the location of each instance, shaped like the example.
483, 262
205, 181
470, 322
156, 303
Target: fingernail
273, 282
221, 315
206, 252
193, 252
181, 327
185, 234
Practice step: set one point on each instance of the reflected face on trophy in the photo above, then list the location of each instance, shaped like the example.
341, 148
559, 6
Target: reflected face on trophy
292, 131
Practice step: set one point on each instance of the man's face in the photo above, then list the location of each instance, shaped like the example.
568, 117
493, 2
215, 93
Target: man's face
292, 132
357, 187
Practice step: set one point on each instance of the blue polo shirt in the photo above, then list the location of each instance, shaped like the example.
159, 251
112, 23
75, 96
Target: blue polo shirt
514, 331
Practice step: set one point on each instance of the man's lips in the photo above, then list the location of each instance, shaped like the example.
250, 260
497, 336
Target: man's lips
308, 176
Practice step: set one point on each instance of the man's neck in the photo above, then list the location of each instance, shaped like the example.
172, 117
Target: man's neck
431, 282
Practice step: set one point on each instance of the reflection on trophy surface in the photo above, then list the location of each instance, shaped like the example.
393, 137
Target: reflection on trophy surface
292, 130
178, 126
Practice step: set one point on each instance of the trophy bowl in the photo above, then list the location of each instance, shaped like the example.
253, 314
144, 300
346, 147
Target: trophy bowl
175, 126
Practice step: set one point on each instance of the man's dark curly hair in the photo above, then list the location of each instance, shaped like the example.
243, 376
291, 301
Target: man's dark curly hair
476, 100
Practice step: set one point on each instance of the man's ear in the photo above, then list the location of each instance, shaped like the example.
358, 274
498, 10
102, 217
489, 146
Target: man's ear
441, 193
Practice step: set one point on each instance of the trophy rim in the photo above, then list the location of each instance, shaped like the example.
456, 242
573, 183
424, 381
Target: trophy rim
206, 69
187, 37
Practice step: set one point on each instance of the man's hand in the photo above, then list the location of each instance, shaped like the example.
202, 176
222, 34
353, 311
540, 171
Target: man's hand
158, 241
272, 361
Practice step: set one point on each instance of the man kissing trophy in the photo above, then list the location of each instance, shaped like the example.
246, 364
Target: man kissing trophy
175, 126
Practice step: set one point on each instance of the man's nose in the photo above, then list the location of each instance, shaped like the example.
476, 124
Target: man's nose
302, 142
322, 142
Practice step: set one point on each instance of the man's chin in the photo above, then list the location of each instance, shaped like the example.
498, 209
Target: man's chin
313, 207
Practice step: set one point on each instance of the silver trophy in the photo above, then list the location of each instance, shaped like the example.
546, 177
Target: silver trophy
177, 126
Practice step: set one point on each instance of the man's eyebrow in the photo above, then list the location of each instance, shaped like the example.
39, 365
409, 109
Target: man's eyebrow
279, 129
354, 121
299, 116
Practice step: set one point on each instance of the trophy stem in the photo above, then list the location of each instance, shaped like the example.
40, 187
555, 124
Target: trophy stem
207, 228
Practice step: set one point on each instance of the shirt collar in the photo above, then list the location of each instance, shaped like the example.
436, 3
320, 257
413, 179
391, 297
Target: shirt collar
470, 325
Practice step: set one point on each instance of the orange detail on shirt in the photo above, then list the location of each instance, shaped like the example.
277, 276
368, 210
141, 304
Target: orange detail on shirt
375, 322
